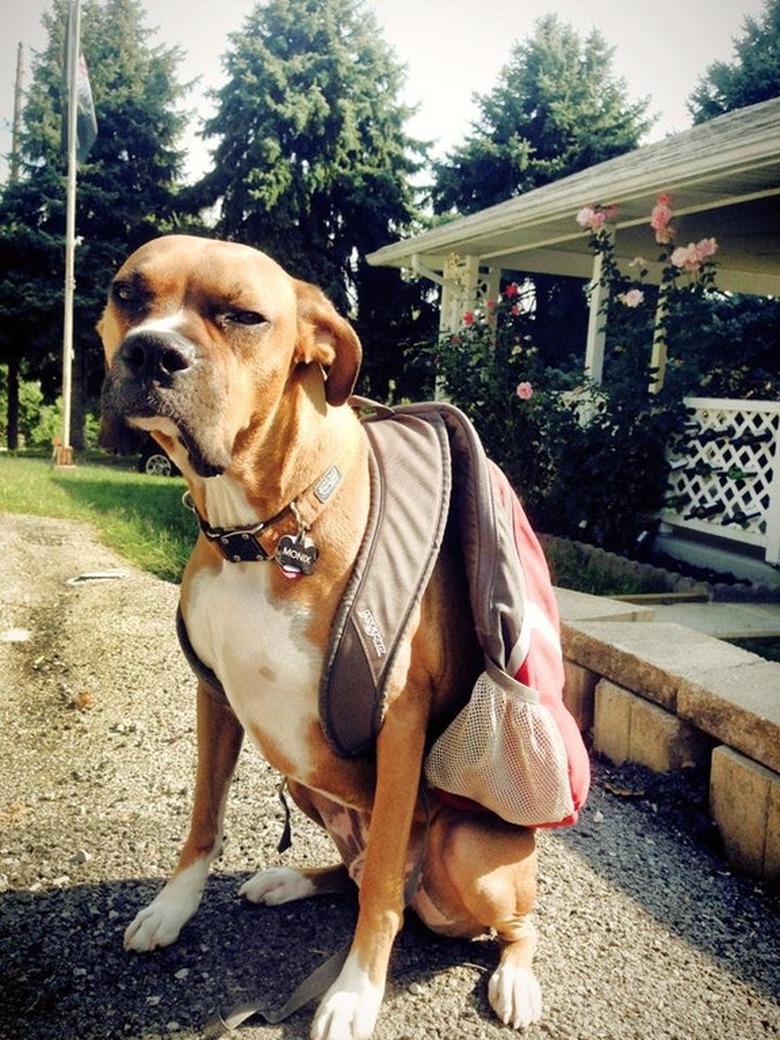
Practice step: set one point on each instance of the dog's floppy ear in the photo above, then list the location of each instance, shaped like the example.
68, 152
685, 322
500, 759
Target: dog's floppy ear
329, 340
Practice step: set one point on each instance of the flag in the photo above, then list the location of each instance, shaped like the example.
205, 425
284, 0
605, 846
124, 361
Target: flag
86, 122
78, 86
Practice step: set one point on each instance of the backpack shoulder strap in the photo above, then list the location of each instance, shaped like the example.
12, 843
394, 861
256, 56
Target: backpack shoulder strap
410, 496
482, 510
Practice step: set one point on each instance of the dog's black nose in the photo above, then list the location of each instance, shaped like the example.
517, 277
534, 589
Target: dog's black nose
156, 355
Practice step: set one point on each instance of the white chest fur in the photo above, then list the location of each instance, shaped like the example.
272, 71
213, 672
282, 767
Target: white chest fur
260, 651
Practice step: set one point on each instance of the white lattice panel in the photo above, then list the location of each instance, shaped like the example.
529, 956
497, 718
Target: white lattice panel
725, 472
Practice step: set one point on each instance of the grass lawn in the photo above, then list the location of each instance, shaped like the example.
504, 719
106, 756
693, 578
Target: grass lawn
139, 516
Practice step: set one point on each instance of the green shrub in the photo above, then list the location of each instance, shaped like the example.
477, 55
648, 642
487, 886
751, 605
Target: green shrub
588, 461
40, 422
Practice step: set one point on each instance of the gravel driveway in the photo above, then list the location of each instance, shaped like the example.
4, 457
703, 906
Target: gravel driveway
646, 935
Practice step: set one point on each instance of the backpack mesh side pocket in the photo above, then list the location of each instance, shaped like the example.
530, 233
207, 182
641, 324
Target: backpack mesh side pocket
505, 752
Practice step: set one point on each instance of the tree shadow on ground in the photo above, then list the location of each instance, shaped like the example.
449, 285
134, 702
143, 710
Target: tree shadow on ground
64, 973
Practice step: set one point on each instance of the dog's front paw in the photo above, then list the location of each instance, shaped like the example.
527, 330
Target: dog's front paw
350, 1008
515, 996
160, 922
277, 885
155, 926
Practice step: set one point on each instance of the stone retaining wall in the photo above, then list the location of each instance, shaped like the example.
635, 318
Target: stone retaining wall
668, 697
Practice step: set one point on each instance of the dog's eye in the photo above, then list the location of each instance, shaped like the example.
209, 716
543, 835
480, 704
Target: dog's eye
122, 291
127, 295
243, 318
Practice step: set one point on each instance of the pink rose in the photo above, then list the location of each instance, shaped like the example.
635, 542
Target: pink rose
706, 248
660, 220
525, 391
597, 221
686, 258
632, 298
469, 318
690, 258
511, 290
595, 217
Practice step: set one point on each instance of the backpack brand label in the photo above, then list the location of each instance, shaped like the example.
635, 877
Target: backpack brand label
372, 630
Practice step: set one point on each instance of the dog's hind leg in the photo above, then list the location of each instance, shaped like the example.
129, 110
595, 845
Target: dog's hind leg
276, 885
480, 875
219, 741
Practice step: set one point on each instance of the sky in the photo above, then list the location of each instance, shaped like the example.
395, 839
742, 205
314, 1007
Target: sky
451, 49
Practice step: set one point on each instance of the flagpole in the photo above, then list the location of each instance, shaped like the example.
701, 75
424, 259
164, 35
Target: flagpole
64, 451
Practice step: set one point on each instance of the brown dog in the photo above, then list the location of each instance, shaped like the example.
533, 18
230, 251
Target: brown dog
242, 375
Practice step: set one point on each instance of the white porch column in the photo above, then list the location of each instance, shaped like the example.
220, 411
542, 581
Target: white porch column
772, 550
658, 352
597, 323
465, 287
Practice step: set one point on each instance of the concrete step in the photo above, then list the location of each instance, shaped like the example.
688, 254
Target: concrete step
725, 620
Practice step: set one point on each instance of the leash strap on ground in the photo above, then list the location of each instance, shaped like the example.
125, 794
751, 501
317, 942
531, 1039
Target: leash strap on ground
312, 987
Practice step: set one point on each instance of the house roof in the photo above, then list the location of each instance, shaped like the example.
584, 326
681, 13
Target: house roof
724, 179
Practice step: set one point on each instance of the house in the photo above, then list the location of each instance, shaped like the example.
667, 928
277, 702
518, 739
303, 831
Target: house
724, 179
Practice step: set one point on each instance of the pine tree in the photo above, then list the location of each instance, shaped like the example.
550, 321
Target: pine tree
127, 190
312, 162
557, 108
752, 76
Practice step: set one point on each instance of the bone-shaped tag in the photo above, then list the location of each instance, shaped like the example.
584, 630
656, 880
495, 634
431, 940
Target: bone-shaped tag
296, 555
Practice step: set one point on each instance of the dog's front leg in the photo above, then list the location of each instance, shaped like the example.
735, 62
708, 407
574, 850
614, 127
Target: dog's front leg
350, 1008
219, 735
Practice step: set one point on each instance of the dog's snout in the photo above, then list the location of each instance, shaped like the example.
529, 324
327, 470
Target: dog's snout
156, 355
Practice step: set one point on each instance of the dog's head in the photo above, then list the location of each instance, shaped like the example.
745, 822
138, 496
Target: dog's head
204, 340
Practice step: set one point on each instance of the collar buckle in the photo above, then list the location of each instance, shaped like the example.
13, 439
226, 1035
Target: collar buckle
237, 544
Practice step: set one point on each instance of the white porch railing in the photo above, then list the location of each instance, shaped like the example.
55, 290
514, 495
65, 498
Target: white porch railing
725, 478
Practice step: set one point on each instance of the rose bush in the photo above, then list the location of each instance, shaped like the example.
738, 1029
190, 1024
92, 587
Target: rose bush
589, 461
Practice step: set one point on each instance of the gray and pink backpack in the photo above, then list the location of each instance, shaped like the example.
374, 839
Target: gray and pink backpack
514, 749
